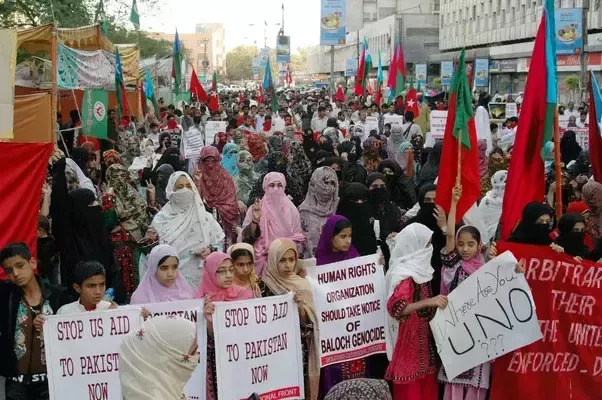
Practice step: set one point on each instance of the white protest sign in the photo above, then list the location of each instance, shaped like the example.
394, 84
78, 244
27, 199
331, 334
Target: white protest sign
563, 121
212, 128
394, 120
511, 110
258, 349
191, 310
82, 353
192, 141
350, 302
489, 314
438, 118
370, 124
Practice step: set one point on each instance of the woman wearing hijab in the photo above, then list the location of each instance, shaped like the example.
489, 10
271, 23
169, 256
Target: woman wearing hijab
163, 174
217, 285
401, 188
220, 141
569, 148
185, 224
132, 151
146, 159
277, 162
229, 158
281, 277
111, 157
491, 204
218, 191
534, 226
274, 146
246, 178
299, 166
354, 206
157, 360
482, 153
352, 171
255, 146
385, 211
405, 159
243, 258
497, 162
395, 140
162, 280
410, 306
125, 216
571, 238
272, 217
372, 154
360, 389
310, 147
592, 195
320, 203
430, 170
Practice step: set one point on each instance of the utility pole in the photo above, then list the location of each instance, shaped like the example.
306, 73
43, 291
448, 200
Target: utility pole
331, 91
583, 55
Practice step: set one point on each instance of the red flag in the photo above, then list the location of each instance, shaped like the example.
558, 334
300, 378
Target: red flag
460, 136
197, 89
526, 176
143, 99
214, 97
241, 97
359, 77
20, 203
412, 102
340, 96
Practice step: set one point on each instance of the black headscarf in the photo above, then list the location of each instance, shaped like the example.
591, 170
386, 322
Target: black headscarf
430, 170
569, 148
401, 187
310, 147
572, 242
170, 156
81, 155
527, 231
359, 214
277, 162
351, 170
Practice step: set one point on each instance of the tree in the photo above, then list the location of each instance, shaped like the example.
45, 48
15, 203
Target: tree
572, 83
299, 61
25, 13
239, 63
148, 46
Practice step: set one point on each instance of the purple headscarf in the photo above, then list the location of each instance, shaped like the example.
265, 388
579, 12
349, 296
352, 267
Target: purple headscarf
324, 253
151, 290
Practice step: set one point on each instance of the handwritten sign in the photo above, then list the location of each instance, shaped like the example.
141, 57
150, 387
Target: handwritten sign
193, 143
212, 128
258, 349
394, 120
511, 110
567, 362
82, 353
350, 302
191, 310
490, 314
370, 124
438, 118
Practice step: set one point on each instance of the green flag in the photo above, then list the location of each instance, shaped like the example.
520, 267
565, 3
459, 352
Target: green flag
134, 16
176, 67
463, 109
94, 113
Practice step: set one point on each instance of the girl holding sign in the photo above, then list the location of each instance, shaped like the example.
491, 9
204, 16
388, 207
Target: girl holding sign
243, 258
461, 257
335, 246
410, 307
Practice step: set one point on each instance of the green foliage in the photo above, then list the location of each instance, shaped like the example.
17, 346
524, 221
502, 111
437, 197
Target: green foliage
572, 82
239, 63
25, 13
148, 46
437, 87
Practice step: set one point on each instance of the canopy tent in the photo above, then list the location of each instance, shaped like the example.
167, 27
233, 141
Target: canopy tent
40, 38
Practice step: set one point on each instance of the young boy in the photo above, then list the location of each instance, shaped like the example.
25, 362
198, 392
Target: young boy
25, 301
90, 284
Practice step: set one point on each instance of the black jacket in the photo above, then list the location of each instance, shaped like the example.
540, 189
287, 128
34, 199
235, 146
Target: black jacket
10, 297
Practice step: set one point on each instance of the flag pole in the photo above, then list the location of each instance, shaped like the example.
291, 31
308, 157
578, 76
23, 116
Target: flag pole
558, 203
459, 175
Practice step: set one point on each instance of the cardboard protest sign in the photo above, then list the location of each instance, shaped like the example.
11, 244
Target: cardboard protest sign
394, 120
258, 344
371, 124
191, 310
511, 110
212, 128
349, 297
438, 119
192, 143
489, 314
567, 363
82, 353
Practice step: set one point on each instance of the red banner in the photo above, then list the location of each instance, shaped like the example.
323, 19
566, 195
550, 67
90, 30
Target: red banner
567, 362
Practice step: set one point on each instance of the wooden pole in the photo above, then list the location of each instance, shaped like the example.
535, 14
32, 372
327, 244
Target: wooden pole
459, 175
558, 202
55, 92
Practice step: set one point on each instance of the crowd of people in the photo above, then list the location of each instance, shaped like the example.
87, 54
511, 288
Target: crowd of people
130, 220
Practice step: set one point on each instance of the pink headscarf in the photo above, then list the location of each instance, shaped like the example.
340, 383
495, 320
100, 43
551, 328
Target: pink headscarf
469, 266
151, 290
209, 285
279, 219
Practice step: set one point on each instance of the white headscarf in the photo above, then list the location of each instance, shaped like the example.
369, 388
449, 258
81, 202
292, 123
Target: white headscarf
410, 258
184, 223
147, 152
491, 204
84, 181
154, 362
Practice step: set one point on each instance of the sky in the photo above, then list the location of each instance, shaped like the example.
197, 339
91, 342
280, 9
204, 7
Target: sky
301, 19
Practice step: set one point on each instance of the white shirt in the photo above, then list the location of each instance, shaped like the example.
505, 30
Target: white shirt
77, 307
154, 137
572, 113
318, 125
259, 120
278, 124
412, 129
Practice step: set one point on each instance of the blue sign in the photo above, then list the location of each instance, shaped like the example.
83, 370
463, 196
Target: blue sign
481, 73
569, 31
421, 77
447, 72
256, 65
350, 66
264, 54
283, 49
332, 22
